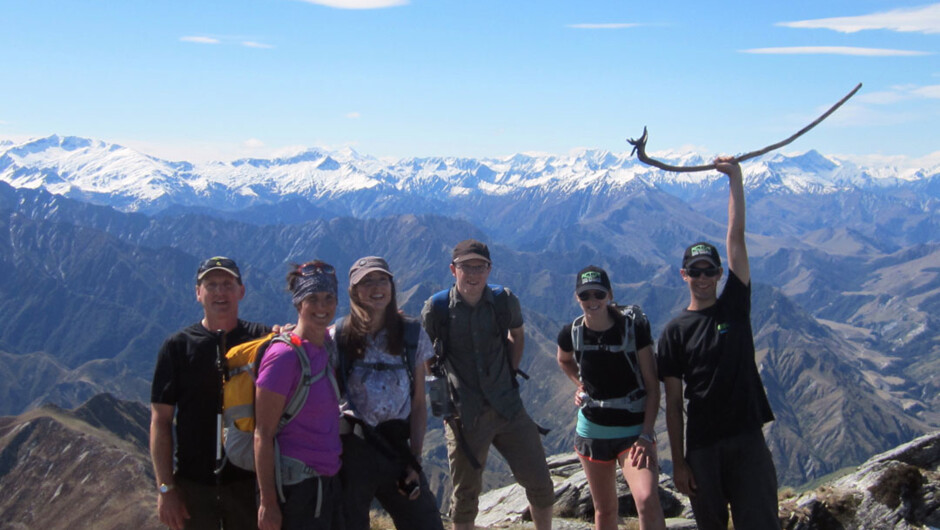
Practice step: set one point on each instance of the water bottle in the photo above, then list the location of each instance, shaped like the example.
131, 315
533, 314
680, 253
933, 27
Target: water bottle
439, 395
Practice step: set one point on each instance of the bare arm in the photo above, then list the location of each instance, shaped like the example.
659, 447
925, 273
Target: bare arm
569, 366
268, 409
682, 475
516, 344
170, 505
737, 249
651, 382
643, 452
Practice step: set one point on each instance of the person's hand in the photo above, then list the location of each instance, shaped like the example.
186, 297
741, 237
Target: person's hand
728, 165
577, 395
277, 329
682, 475
643, 454
269, 516
411, 477
171, 509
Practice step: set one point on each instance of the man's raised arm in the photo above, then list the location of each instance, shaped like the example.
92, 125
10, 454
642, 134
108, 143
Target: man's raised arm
737, 248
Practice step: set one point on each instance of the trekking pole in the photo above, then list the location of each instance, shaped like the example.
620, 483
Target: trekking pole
220, 365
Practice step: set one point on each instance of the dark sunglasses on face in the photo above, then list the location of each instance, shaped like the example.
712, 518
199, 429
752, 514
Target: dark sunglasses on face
584, 296
709, 272
312, 269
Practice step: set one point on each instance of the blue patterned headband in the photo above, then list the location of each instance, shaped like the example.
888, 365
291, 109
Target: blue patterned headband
314, 279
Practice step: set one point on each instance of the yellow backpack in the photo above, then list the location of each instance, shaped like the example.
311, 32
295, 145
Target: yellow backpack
238, 393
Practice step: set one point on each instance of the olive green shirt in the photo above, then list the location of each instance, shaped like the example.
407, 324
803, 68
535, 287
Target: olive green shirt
477, 357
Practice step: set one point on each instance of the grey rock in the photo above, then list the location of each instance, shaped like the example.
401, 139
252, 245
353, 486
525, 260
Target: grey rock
897, 489
509, 506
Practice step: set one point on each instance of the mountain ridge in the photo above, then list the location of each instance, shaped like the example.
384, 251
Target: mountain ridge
132, 181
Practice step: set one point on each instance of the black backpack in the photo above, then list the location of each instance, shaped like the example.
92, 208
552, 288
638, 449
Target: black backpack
635, 401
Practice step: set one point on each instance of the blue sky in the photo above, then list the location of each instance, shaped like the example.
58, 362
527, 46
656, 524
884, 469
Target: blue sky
200, 80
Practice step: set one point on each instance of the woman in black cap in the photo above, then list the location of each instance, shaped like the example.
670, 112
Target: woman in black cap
381, 370
607, 353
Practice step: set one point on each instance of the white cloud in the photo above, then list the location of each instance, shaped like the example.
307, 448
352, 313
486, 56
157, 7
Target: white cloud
200, 40
358, 4
354, 115
253, 143
835, 50
924, 19
864, 116
930, 91
252, 44
886, 97
604, 26
899, 93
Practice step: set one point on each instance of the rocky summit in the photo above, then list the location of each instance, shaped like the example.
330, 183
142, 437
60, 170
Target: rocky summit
898, 489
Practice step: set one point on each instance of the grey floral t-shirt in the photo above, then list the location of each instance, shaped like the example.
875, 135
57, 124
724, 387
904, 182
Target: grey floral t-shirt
382, 394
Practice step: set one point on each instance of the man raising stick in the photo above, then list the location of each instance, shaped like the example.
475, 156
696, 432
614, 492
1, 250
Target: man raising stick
710, 347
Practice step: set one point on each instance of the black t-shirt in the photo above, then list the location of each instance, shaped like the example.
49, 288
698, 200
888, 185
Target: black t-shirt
186, 377
607, 375
712, 350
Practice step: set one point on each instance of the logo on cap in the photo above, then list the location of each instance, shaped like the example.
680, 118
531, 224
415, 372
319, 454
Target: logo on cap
700, 249
591, 277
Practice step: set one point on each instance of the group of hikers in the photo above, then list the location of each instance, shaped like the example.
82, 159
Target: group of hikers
359, 434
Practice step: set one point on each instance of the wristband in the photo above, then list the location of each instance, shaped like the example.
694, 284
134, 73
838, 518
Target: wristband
647, 438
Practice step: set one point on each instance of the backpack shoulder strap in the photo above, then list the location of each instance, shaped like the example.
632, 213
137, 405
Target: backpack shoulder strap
503, 321
577, 335
440, 312
343, 367
633, 314
299, 397
501, 300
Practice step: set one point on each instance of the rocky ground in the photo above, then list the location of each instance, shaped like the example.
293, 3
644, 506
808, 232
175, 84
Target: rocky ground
897, 489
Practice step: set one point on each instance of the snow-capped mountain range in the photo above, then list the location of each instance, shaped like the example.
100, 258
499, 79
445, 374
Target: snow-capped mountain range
109, 174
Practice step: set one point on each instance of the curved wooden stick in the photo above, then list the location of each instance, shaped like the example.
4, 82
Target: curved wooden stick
639, 145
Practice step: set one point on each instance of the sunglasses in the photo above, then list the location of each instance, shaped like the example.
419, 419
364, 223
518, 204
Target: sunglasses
312, 269
709, 272
584, 296
212, 263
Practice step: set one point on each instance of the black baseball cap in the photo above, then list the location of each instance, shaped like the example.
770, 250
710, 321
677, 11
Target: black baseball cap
218, 263
469, 249
701, 251
592, 278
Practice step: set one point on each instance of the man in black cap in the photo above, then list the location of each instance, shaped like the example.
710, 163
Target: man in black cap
710, 347
186, 384
478, 334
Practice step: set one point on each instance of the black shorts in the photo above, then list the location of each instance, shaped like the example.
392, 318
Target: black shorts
603, 449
